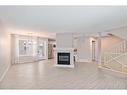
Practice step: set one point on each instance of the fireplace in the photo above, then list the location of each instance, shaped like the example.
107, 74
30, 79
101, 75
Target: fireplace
63, 58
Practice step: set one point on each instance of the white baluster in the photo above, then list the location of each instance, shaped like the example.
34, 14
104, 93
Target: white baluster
115, 51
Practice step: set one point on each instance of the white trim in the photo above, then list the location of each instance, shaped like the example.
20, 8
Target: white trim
65, 66
4, 73
64, 49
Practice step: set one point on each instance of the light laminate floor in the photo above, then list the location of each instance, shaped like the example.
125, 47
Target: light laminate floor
44, 75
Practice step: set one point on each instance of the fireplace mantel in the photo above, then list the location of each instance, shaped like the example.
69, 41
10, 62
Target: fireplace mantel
64, 53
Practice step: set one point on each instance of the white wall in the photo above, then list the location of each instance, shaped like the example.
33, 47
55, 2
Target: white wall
4, 51
120, 32
82, 44
31, 33
64, 40
109, 42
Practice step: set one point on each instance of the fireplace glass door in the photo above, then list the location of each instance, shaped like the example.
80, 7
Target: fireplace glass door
63, 58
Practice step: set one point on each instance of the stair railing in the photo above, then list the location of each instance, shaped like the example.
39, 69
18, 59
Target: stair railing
109, 56
115, 51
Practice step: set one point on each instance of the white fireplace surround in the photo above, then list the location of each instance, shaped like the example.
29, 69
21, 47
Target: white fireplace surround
65, 50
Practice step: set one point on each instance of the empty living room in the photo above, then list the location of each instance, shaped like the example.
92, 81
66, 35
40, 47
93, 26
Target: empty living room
56, 47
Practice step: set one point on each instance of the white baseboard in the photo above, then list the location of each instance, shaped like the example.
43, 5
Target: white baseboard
4, 73
83, 60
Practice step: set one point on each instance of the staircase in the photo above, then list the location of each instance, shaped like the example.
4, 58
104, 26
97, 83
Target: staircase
111, 59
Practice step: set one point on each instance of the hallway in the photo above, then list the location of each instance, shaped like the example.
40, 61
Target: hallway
44, 75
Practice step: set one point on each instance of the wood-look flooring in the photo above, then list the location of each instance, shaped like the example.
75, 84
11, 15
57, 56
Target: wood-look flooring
44, 75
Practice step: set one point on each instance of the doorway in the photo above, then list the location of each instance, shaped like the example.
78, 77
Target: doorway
93, 50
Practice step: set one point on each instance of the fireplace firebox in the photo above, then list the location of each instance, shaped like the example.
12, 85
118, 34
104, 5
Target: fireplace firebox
63, 58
